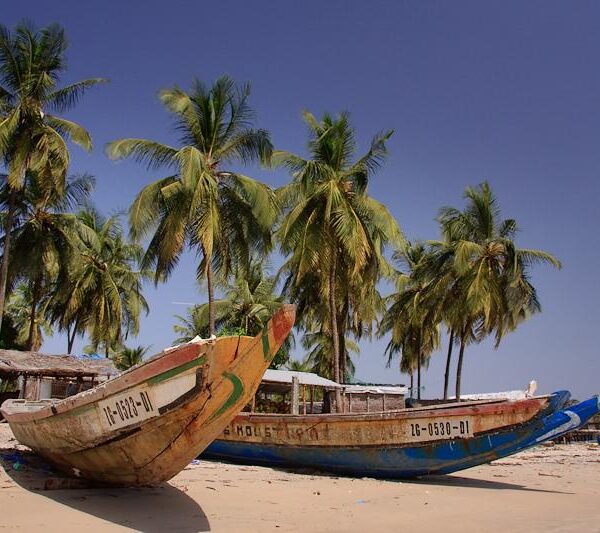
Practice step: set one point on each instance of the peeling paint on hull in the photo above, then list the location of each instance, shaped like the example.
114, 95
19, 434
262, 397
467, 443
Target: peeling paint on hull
409, 460
144, 426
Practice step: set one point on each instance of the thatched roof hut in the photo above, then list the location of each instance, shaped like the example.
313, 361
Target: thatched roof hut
14, 363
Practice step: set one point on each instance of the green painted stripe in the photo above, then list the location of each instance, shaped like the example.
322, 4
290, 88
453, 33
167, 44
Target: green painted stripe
265, 344
177, 370
238, 390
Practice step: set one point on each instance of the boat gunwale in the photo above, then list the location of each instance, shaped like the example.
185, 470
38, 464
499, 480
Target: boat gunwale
135, 376
476, 407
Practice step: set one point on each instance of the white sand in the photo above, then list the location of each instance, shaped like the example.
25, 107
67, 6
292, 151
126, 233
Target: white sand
546, 489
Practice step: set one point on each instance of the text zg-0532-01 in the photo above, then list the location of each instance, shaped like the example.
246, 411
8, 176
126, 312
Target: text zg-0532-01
127, 408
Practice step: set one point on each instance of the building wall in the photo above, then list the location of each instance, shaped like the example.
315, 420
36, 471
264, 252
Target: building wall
369, 402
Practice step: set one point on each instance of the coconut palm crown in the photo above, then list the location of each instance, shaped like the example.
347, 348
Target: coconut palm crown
333, 231
482, 272
202, 204
32, 137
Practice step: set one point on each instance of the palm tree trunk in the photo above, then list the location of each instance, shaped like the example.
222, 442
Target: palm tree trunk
71, 338
448, 358
459, 367
5, 254
334, 332
419, 362
343, 363
32, 343
419, 375
211, 298
412, 383
342, 336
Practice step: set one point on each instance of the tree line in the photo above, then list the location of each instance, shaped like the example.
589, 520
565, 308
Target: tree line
66, 266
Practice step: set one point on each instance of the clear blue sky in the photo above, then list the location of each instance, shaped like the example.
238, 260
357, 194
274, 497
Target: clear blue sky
507, 92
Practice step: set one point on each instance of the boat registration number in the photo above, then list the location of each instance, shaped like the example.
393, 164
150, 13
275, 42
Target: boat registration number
127, 408
428, 429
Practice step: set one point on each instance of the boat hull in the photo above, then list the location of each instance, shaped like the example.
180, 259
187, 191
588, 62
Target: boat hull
376, 459
185, 397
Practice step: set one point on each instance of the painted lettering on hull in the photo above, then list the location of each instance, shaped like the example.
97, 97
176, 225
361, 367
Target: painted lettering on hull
127, 408
349, 433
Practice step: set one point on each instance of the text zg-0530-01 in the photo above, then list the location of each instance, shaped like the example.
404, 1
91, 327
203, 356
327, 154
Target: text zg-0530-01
440, 429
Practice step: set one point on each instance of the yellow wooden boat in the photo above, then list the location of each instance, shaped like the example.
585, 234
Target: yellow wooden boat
147, 424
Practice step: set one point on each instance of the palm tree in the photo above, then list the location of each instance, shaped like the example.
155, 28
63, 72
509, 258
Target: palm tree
129, 357
248, 303
45, 238
31, 139
299, 366
219, 213
333, 231
412, 316
321, 355
103, 296
489, 274
31, 327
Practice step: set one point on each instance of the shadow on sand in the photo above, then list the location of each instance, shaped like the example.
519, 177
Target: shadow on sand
452, 480
447, 480
158, 509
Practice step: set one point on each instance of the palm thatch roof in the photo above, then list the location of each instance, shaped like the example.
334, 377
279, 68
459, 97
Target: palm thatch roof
14, 363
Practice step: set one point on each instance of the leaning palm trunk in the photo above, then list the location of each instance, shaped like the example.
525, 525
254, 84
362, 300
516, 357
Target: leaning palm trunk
5, 255
71, 337
459, 366
334, 332
448, 359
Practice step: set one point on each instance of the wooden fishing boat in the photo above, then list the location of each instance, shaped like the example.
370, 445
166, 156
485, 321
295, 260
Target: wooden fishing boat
147, 424
402, 443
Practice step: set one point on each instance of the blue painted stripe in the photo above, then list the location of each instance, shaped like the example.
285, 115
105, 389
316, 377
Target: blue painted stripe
409, 461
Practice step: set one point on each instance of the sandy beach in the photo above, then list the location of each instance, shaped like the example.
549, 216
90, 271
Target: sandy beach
545, 489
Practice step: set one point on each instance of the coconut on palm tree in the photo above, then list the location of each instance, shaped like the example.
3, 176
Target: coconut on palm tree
32, 137
333, 231
203, 204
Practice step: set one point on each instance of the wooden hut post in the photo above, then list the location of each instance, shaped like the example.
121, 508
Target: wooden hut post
24, 391
367, 402
383, 401
295, 395
303, 399
312, 399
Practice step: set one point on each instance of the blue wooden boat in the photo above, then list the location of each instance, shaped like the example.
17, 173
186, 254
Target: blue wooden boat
404, 443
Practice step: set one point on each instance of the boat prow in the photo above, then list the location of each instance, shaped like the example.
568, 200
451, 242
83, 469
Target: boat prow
147, 424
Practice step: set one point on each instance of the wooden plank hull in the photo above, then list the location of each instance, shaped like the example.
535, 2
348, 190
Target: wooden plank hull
387, 445
146, 425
